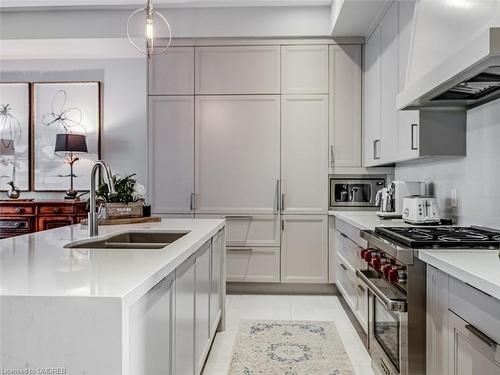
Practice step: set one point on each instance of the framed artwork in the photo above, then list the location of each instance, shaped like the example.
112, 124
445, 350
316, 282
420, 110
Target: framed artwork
64, 108
15, 135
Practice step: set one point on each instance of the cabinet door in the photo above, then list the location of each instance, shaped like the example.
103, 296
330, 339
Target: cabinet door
238, 70
172, 73
362, 303
237, 154
150, 331
304, 154
345, 106
471, 351
184, 324
51, 222
347, 282
203, 266
389, 85
172, 153
371, 124
408, 135
216, 288
304, 69
253, 264
304, 249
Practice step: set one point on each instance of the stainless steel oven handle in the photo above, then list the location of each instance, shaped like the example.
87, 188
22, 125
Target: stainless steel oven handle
390, 304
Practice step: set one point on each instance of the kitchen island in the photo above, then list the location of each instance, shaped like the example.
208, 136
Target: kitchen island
112, 311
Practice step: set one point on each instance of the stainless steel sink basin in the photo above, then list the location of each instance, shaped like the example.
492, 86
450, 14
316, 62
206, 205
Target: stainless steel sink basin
129, 240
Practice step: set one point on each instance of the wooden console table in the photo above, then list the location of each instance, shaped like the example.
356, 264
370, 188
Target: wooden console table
21, 216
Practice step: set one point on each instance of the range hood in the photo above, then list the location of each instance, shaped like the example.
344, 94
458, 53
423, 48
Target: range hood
469, 78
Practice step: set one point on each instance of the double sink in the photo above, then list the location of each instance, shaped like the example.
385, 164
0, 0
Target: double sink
134, 239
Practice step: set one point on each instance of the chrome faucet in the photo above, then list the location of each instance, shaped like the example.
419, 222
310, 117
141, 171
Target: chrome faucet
92, 219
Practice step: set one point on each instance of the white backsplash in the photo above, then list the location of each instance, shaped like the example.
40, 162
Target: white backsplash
476, 177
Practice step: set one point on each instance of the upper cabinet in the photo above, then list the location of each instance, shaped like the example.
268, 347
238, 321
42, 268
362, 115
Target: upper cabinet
304, 69
345, 106
238, 70
172, 73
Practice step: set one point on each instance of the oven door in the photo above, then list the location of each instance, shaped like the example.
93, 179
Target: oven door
387, 324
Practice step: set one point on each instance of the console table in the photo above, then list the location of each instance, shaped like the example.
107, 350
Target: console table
23, 216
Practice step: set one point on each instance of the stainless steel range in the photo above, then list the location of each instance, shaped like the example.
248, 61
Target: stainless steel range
396, 279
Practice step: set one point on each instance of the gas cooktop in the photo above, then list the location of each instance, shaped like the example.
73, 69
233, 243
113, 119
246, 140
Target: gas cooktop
442, 237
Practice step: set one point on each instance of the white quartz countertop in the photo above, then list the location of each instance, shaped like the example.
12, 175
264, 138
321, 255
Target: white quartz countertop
479, 268
366, 220
39, 265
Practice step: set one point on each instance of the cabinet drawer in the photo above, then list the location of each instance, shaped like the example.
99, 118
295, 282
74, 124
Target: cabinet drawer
347, 282
350, 231
256, 230
17, 225
477, 308
362, 300
56, 210
17, 210
349, 250
257, 264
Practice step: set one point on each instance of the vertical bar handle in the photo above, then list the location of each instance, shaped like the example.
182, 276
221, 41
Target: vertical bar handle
192, 203
414, 127
278, 192
282, 201
376, 153
332, 156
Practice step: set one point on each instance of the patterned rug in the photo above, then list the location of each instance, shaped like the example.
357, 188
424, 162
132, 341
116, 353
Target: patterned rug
289, 348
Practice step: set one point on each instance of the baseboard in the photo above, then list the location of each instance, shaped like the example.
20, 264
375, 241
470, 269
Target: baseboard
278, 288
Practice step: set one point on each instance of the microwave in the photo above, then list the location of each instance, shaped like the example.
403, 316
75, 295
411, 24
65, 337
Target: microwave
355, 191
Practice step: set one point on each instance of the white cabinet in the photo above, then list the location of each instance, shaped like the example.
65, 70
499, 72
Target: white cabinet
346, 282
389, 85
304, 249
345, 106
304, 69
184, 325
203, 268
304, 154
238, 70
172, 73
332, 253
150, 331
371, 122
470, 350
237, 154
253, 264
216, 298
171, 153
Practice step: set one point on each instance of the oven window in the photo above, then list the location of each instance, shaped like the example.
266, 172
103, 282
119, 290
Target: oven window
386, 331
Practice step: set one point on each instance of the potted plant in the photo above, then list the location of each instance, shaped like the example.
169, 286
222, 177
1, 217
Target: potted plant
128, 201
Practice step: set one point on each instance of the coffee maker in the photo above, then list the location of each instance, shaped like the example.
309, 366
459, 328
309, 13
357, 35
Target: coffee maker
390, 199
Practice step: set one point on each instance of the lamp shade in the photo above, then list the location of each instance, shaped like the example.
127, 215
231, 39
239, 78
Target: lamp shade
7, 147
71, 143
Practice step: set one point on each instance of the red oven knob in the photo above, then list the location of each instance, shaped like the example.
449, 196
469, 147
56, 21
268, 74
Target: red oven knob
376, 263
368, 256
362, 253
392, 275
385, 270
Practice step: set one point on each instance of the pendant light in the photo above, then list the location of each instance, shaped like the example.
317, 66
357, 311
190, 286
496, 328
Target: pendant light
151, 18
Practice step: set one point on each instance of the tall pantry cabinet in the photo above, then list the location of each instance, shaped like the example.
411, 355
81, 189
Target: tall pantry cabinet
246, 132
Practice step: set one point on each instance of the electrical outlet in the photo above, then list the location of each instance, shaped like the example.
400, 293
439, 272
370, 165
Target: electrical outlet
453, 198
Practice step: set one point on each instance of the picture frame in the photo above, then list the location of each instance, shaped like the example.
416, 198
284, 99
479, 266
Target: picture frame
64, 107
15, 135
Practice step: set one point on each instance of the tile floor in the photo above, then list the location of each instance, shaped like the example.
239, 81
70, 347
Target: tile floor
285, 307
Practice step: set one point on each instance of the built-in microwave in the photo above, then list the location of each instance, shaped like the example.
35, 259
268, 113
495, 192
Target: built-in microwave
355, 191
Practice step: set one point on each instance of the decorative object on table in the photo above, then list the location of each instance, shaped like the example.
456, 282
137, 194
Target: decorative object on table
69, 144
147, 210
64, 108
14, 135
125, 221
14, 192
128, 202
150, 28
289, 347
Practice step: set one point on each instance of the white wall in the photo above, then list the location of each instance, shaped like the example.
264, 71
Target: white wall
476, 177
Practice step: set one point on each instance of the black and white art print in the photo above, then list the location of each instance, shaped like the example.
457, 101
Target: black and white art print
15, 135
64, 107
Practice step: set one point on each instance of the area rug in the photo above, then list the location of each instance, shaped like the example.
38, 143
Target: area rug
289, 348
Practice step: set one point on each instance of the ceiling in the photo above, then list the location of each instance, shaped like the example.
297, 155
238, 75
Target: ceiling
157, 3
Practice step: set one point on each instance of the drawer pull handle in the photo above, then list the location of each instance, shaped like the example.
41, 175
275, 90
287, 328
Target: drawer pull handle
240, 249
57, 210
343, 267
481, 336
361, 288
19, 210
235, 217
343, 235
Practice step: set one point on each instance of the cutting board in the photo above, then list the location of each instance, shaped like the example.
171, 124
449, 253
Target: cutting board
132, 220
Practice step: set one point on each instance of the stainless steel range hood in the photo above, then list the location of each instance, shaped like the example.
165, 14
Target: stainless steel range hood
471, 77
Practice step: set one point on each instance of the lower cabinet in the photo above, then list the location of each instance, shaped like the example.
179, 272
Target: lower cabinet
253, 264
304, 249
203, 266
216, 289
184, 323
151, 332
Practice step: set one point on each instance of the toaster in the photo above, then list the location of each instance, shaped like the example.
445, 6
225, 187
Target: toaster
419, 209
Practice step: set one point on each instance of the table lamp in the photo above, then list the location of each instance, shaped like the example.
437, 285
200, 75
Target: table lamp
70, 144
